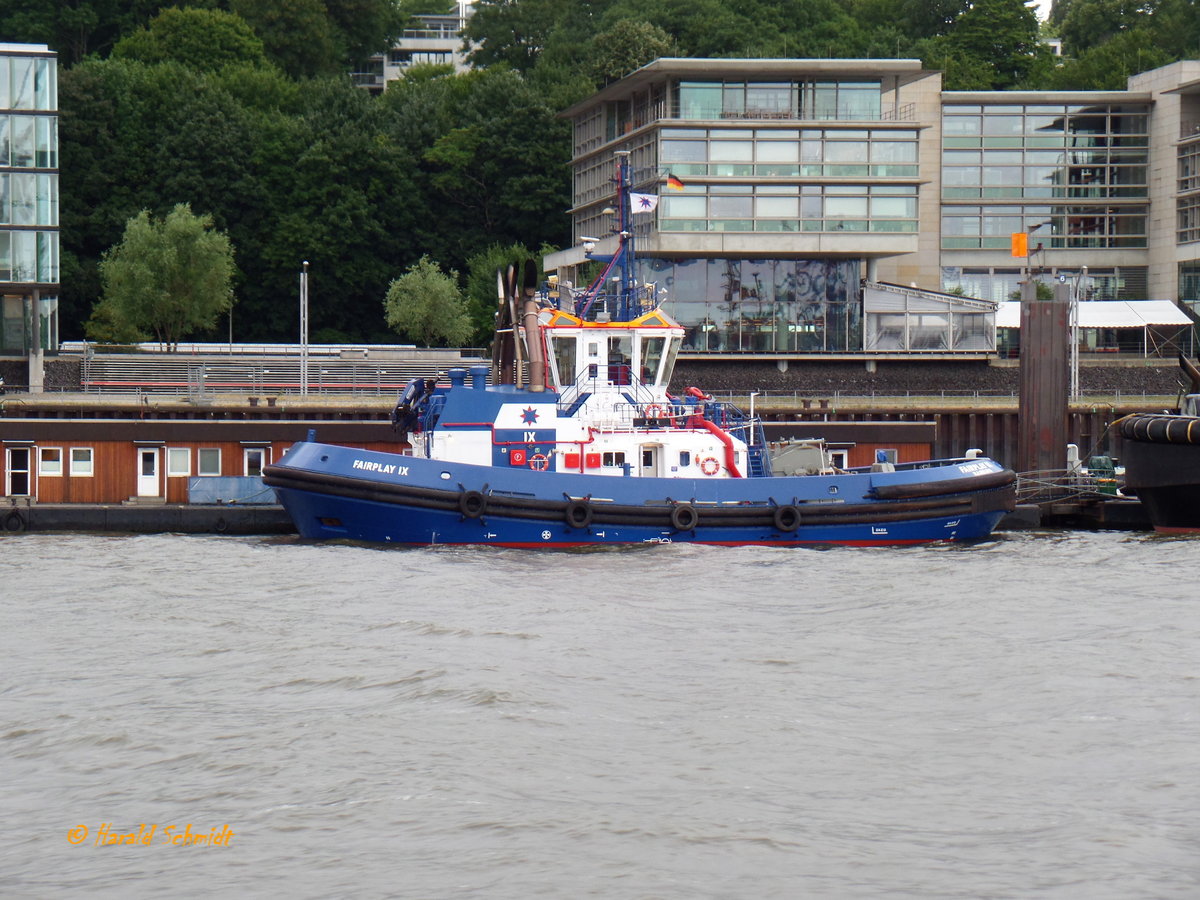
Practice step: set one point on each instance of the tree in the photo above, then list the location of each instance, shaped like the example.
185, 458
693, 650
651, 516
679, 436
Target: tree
202, 39
168, 276
482, 293
1002, 34
77, 28
627, 46
321, 37
426, 305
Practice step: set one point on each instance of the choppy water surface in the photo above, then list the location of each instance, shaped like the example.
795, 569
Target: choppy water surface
1020, 718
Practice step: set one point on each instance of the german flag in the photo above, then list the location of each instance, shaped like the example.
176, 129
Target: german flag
673, 182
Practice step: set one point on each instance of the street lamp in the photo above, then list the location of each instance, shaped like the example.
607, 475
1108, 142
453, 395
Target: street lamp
304, 328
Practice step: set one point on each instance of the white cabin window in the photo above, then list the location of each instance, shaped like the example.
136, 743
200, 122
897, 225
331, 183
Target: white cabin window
81, 461
179, 462
208, 461
50, 461
839, 459
613, 458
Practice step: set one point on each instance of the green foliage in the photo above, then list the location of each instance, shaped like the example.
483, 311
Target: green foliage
307, 38
77, 28
1107, 66
201, 39
999, 33
482, 291
170, 277
426, 305
627, 46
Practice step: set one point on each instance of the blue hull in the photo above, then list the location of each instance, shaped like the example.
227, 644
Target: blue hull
336, 492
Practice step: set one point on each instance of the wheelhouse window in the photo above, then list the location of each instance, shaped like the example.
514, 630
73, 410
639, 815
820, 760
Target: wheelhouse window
562, 349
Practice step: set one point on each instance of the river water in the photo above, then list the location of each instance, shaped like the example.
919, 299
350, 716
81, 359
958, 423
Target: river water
1019, 718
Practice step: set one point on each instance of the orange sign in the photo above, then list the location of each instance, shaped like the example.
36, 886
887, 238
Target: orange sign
1020, 243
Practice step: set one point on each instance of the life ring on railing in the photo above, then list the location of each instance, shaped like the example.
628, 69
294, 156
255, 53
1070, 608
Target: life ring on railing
14, 521
578, 514
787, 518
472, 504
539, 462
709, 465
684, 517
654, 411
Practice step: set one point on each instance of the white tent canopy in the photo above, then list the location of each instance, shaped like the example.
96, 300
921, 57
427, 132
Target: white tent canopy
1108, 314
1165, 328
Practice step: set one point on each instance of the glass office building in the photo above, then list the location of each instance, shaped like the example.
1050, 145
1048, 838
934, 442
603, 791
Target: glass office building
804, 179
29, 248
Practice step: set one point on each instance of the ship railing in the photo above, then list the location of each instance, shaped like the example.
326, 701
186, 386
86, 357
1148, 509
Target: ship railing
1063, 484
594, 378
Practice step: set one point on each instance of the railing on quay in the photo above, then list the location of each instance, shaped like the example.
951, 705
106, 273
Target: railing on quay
386, 383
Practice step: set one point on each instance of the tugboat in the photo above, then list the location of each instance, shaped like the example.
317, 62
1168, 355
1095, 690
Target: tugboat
1161, 454
573, 439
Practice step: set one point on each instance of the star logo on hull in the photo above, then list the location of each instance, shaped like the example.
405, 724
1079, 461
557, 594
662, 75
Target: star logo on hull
529, 415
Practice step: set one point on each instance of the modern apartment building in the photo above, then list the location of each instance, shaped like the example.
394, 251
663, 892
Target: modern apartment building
29, 255
801, 179
431, 40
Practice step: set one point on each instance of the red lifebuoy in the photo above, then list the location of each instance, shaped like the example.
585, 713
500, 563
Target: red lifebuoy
539, 462
654, 411
709, 465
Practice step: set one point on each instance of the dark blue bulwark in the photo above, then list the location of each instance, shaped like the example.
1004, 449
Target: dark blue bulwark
339, 492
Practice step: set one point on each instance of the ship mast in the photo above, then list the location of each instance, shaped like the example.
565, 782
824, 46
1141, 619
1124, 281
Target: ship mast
622, 262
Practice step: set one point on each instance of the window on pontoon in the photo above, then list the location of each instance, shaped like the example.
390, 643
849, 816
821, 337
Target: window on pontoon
50, 461
208, 461
81, 461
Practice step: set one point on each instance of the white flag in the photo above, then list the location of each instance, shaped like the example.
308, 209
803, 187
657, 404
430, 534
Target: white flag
643, 203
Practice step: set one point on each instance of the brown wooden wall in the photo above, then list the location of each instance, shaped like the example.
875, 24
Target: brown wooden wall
114, 477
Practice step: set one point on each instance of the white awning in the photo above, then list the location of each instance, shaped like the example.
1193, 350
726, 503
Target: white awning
1108, 314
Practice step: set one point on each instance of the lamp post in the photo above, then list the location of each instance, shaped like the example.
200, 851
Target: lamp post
1076, 286
304, 328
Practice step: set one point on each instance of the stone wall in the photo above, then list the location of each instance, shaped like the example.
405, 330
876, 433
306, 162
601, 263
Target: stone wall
60, 373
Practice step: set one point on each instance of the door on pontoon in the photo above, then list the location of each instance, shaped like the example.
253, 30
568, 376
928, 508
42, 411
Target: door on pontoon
651, 461
19, 482
147, 479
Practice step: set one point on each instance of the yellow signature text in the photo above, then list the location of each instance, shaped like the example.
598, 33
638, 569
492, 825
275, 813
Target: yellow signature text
106, 835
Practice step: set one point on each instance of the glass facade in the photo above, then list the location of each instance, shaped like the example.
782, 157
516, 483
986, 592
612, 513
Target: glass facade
29, 200
1080, 171
1189, 287
785, 172
840, 99
762, 305
1000, 283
